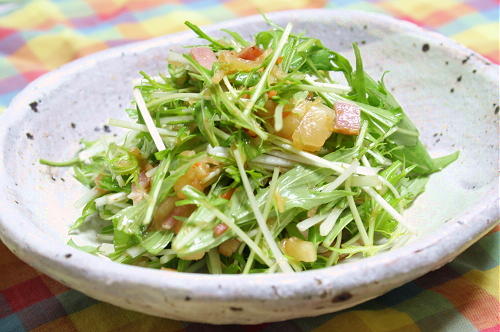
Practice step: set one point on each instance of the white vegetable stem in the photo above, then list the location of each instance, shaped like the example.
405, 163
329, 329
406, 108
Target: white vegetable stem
344, 176
311, 159
139, 127
389, 185
365, 181
218, 151
99, 146
327, 225
310, 222
267, 210
324, 87
263, 79
388, 208
355, 215
280, 259
278, 117
163, 97
148, 120
249, 263
229, 87
87, 197
272, 188
110, 199
179, 118
273, 161
214, 261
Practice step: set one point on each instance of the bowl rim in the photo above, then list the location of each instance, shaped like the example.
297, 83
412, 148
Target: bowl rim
396, 265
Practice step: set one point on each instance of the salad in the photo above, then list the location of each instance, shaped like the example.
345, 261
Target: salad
274, 154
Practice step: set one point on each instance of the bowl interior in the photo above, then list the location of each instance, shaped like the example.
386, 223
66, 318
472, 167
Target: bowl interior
450, 95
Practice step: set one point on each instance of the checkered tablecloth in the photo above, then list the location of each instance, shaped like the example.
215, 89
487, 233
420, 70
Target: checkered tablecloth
38, 36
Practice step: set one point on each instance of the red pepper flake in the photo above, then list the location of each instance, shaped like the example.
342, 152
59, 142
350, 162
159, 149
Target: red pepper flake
279, 60
219, 229
272, 93
228, 194
250, 132
250, 53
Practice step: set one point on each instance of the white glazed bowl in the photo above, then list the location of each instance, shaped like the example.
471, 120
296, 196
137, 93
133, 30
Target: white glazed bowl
449, 92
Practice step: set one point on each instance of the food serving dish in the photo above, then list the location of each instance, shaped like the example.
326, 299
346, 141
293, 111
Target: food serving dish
449, 91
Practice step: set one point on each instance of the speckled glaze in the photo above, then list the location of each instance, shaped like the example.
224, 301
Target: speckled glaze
449, 91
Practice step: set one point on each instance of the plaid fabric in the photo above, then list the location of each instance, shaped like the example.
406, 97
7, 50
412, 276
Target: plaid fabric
38, 36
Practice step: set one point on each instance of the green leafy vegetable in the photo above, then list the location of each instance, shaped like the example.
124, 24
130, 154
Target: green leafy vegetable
220, 170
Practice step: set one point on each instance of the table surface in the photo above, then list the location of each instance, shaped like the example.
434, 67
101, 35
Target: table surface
38, 36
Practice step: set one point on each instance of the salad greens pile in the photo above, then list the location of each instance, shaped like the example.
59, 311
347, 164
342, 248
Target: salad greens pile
247, 157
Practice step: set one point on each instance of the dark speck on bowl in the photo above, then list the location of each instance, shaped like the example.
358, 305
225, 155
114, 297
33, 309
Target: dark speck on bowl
34, 106
236, 309
344, 296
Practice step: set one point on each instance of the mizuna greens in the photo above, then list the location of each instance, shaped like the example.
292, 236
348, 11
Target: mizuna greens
247, 157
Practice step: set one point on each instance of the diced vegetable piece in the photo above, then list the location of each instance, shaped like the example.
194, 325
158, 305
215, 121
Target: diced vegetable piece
193, 257
162, 212
173, 223
196, 176
229, 247
290, 122
251, 53
166, 213
141, 188
314, 128
231, 62
347, 120
303, 251
292, 114
204, 55
220, 228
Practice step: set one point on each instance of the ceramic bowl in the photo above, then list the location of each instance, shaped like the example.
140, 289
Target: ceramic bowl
450, 92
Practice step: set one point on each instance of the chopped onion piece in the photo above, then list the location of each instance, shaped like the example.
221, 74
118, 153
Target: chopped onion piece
303, 251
